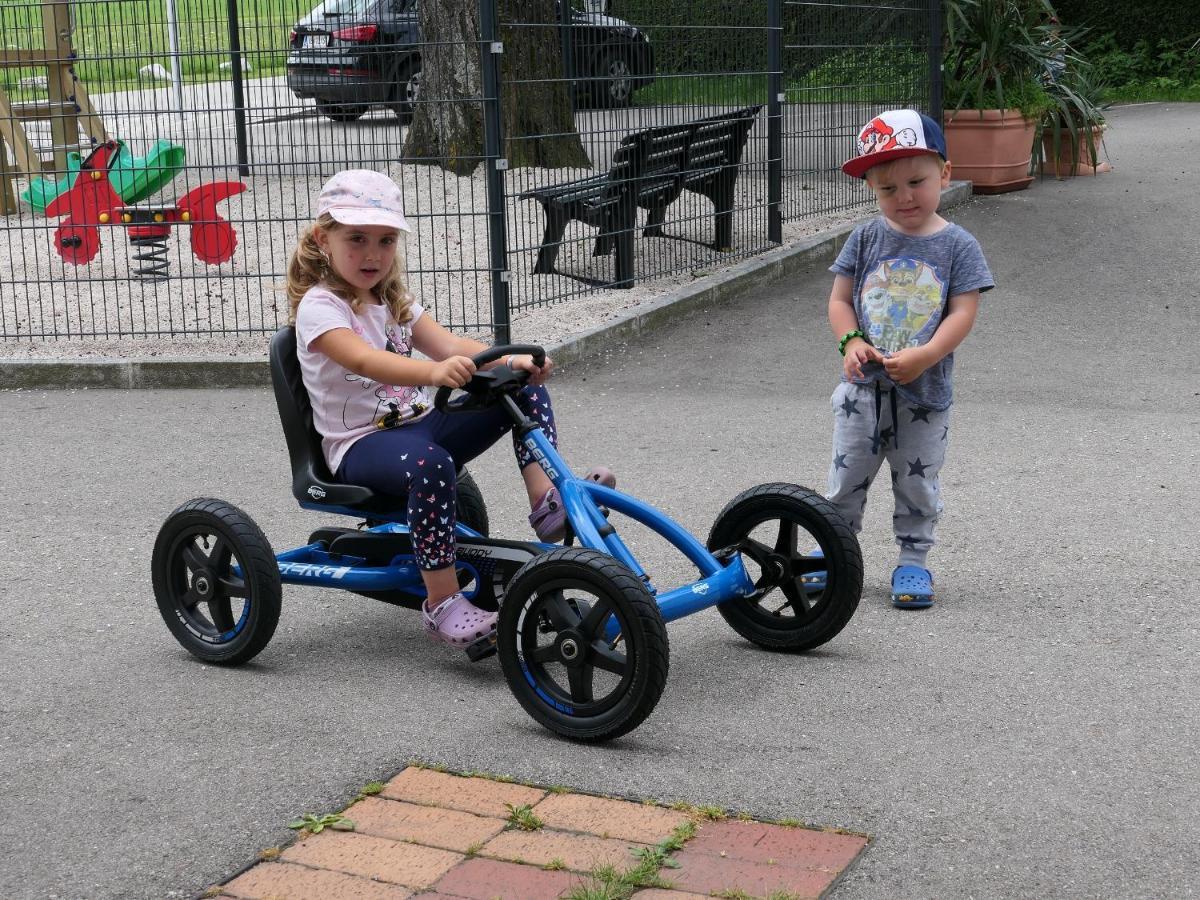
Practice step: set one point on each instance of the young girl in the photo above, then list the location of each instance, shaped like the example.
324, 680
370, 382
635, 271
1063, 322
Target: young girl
356, 327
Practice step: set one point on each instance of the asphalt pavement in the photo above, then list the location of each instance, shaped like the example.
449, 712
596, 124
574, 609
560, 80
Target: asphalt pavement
1036, 733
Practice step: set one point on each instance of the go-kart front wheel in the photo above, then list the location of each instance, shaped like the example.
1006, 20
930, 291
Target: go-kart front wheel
776, 527
582, 644
216, 581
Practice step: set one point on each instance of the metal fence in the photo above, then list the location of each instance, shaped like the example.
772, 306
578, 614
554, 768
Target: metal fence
545, 151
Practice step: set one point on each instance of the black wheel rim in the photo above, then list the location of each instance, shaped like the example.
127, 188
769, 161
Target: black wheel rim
563, 651
774, 550
207, 586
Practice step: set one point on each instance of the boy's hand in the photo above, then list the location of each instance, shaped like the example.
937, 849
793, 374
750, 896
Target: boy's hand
858, 354
907, 365
453, 371
524, 362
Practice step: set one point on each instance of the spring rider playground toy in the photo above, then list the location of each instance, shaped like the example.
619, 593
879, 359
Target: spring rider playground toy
93, 202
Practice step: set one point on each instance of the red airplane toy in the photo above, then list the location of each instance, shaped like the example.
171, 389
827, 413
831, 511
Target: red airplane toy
92, 202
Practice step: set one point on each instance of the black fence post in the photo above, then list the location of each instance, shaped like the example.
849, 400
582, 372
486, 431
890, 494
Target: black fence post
490, 49
566, 11
935, 60
239, 98
775, 98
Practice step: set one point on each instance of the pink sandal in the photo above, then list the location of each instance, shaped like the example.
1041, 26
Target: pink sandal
458, 622
549, 518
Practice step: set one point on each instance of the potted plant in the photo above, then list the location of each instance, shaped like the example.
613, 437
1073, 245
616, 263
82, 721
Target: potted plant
995, 54
1072, 126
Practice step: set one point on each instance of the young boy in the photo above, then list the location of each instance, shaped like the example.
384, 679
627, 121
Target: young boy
905, 293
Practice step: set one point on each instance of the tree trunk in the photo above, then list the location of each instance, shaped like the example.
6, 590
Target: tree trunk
447, 125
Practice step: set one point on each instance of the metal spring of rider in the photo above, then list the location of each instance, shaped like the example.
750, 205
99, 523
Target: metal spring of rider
150, 258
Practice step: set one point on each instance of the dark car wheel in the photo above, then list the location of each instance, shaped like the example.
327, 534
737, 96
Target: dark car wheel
613, 87
341, 112
407, 90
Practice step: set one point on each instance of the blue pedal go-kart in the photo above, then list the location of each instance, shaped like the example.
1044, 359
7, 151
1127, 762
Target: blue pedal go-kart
581, 635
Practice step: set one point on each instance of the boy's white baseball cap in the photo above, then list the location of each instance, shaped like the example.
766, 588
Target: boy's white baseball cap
363, 197
895, 134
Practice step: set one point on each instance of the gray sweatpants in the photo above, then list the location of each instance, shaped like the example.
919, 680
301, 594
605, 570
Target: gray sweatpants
870, 424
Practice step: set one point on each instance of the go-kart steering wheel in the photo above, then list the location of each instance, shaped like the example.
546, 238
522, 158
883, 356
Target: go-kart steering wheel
485, 388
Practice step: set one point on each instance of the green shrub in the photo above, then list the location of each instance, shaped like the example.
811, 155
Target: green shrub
1153, 21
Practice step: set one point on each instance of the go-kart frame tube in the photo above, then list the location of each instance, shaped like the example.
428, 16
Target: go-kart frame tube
582, 499
314, 566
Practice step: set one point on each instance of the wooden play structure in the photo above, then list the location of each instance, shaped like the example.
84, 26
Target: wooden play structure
74, 123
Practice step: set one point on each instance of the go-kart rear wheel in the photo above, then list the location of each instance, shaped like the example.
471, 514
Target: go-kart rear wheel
469, 506
775, 527
573, 672
216, 581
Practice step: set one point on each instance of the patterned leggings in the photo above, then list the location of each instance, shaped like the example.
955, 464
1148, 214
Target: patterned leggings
420, 461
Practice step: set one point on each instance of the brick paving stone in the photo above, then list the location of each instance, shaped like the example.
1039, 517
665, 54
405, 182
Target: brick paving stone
489, 879
580, 852
663, 894
763, 842
705, 873
432, 826
481, 796
609, 818
373, 857
278, 879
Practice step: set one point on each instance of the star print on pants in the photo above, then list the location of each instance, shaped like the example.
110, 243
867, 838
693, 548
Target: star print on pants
917, 468
920, 414
850, 407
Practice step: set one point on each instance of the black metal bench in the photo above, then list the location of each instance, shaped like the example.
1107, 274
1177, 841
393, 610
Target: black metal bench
650, 169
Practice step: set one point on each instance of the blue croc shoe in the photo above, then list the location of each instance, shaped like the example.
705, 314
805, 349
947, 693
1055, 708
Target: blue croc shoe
912, 587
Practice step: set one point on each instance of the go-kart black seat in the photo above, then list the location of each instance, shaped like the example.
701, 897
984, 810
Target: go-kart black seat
312, 484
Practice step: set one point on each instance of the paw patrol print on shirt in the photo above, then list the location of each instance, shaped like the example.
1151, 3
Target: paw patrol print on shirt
899, 301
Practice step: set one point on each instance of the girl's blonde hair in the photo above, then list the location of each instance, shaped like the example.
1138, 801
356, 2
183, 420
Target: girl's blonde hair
310, 266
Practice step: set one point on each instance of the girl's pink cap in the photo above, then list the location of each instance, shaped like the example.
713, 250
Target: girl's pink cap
363, 197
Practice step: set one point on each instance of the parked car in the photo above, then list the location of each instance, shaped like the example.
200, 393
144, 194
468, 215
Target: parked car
352, 55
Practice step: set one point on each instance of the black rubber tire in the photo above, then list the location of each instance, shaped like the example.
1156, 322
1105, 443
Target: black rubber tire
469, 505
192, 565
804, 520
341, 112
555, 594
613, 87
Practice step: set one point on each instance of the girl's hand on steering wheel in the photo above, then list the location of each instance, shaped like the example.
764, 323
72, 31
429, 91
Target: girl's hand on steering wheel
453, 371
524, 362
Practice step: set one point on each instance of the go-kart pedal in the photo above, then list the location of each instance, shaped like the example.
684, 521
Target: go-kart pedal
482, 648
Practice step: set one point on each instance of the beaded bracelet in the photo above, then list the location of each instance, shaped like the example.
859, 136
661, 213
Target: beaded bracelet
847, 337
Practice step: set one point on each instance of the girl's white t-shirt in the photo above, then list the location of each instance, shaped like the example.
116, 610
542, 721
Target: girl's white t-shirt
347, 406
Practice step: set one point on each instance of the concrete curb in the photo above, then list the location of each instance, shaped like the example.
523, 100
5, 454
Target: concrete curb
728, 284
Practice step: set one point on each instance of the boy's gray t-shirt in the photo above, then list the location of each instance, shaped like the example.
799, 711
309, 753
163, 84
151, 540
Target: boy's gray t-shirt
902, 284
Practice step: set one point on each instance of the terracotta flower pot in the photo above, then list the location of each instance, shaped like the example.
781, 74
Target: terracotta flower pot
1085, 164
991, 148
